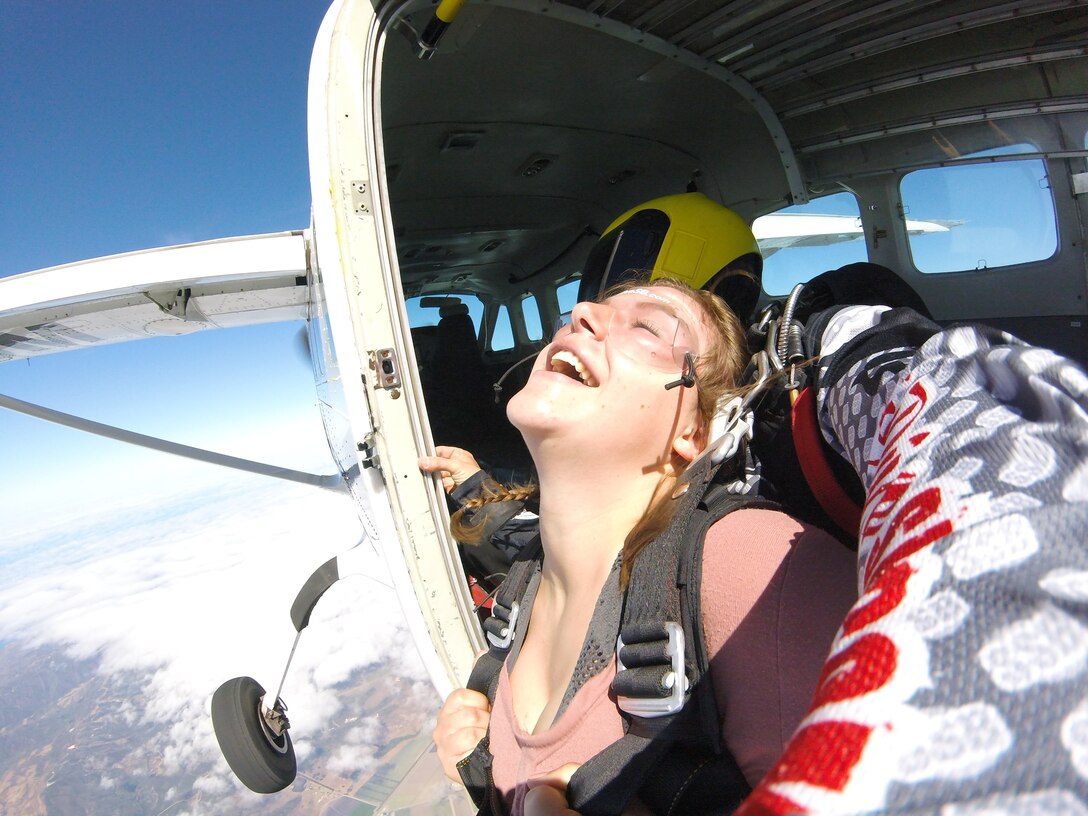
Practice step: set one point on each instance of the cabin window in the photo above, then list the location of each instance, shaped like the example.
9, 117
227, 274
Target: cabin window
502, 332
425, 312
530, 314
428, 309
979, 216
800, 242
567, 295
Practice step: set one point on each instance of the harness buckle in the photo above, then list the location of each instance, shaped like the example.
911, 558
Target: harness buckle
733, 424
505, 635
676, 680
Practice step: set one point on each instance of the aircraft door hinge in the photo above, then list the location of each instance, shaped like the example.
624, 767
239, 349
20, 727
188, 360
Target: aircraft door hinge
361, 201
369, 451
386, 368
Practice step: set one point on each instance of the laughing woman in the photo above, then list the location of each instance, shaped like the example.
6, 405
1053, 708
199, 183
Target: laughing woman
616, 408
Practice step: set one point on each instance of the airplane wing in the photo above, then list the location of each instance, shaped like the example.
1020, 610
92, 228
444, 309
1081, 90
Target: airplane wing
781, 230
168, 291
154, 293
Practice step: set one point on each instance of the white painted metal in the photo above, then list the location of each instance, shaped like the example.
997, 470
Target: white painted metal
155, 292
356, 271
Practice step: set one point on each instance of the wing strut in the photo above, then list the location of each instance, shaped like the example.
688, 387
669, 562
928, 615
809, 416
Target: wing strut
329, 482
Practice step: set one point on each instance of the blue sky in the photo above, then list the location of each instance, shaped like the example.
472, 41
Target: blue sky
132, 125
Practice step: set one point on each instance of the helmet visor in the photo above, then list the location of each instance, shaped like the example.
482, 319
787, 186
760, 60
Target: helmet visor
629, 252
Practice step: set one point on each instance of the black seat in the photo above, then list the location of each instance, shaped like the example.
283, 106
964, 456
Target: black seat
456, 384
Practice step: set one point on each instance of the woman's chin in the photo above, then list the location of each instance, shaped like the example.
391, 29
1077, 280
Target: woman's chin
529, 414
536, 414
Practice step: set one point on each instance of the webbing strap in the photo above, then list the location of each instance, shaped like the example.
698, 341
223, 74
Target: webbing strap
821, 479
679, 751
484, 677
475, 769
607, 782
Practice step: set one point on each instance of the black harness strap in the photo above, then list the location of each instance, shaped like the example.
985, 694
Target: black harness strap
675, 763
475, 769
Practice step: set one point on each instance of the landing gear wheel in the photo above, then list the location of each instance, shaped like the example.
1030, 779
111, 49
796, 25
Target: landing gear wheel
261, 759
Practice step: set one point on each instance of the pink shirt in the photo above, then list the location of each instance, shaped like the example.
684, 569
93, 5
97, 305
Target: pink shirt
774, 592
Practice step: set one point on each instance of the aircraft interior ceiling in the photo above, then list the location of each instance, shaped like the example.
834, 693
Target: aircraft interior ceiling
531, 131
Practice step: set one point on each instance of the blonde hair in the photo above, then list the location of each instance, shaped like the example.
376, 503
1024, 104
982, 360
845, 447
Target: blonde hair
717, 372
471, 531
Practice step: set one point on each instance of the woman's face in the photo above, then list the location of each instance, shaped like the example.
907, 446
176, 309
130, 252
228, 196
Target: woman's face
600, 384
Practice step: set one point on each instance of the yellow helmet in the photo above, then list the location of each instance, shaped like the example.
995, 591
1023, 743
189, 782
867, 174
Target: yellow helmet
685, 236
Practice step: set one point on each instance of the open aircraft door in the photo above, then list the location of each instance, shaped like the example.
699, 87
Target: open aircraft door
341, 276
371, 401
354, 261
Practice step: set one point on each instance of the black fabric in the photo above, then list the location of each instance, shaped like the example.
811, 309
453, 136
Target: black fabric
773, 445
643, 681
485, 672
692, 783
898, 329
498, 534
858, 284
475, 773
475, 769
615, 775
659, 758
648, 653
780, 469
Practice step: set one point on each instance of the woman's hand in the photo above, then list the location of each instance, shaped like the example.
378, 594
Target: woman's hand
462, 723
547, 794
453, 465
547, 801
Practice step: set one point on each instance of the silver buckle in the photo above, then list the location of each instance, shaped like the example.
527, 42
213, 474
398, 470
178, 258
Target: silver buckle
507, 637
676, 680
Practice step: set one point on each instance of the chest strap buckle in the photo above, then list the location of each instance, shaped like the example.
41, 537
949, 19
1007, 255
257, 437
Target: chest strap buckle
651, 688
500, 627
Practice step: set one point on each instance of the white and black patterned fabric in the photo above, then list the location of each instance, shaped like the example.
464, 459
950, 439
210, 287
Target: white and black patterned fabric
958, 684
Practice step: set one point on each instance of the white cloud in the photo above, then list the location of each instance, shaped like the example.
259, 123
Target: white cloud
356, 752
187, 593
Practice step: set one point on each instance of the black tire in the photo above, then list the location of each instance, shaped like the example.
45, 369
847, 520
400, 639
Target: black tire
263, 763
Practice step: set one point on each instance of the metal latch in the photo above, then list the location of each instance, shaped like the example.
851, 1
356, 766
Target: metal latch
383, 362
368, 452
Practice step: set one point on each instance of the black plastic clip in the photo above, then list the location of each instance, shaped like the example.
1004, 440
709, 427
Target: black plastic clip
687, 376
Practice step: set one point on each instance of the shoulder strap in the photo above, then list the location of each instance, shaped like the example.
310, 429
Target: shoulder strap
499, 627
475, 769
673, 726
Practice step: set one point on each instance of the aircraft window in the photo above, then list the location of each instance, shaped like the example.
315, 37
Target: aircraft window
800, 242
424, 314
502, 335
567, 295
530, 313
979, 216
427, 310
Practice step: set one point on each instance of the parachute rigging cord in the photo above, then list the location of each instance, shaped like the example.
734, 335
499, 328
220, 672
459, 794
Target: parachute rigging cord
733, 422
497, 387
